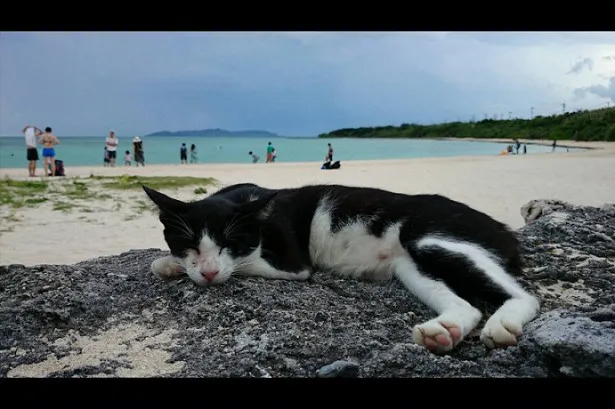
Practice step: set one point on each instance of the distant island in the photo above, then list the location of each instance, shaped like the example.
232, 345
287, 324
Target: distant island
587, 125
218, 133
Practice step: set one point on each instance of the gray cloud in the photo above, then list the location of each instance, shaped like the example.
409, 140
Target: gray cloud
579, 65
290, 83
599, 90
608, 58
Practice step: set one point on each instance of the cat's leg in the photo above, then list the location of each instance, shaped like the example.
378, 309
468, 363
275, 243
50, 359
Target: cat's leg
471, 271
167, 267
456, 317
261, 268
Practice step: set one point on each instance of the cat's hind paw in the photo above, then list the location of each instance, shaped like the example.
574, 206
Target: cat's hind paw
499, 332
437, 335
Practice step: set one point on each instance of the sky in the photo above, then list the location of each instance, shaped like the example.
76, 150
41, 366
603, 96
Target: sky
293, 83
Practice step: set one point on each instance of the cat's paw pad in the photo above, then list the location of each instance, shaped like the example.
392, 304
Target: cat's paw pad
500, 332
437, 336
165, 269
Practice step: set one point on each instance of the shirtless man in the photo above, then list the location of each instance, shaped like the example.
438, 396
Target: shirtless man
31, 133
49, 140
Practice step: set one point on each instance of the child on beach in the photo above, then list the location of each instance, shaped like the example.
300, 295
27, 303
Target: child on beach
127, 158
255, 158
106, 159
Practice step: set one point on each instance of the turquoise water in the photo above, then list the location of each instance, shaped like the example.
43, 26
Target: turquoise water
88, 151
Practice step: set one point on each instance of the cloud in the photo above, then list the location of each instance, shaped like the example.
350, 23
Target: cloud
600, 90
579, 65
294, 83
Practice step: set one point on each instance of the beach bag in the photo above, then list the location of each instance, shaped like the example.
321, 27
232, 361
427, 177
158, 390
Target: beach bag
59, 168
328, 165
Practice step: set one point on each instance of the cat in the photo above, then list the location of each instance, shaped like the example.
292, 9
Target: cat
449, 255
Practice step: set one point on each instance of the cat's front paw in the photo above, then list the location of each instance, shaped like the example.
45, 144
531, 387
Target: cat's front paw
166, 268
438, 335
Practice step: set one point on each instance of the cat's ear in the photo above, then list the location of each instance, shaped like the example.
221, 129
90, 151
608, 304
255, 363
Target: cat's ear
255, 207
165, 202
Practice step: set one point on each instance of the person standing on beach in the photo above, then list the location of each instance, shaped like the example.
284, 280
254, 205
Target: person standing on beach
49, 140
193, 157
270, 149
31, 133
137, 147
329, 156
112, 142
183, 154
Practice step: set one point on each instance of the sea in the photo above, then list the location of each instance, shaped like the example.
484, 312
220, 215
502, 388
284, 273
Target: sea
89, 151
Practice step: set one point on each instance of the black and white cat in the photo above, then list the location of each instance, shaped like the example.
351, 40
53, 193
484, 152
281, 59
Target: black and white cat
447, 254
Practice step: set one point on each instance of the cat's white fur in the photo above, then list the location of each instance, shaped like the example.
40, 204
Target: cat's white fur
353, 252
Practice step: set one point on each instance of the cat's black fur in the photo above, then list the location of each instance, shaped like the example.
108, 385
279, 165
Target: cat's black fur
284, 232
449, 255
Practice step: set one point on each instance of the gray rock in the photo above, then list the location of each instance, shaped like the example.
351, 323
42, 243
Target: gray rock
339, 369
110, 317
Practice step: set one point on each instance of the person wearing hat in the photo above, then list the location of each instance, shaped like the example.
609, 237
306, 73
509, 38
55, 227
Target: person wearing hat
137, 147
112, 143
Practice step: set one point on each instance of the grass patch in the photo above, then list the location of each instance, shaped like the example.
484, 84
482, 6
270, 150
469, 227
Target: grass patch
140, 206
128, 182
63, 206
200, 191
19, 193
33, 201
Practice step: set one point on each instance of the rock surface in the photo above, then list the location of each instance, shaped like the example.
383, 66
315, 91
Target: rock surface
109, 317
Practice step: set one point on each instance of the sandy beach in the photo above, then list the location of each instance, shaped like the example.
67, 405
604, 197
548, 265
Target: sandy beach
121, 220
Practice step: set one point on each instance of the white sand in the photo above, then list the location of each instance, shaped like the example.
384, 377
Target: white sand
496, 185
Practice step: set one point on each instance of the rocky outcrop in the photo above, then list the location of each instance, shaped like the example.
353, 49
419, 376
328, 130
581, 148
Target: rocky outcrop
110, 317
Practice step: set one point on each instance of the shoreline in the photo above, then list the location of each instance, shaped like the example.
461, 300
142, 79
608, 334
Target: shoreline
80, 229
578, 146
80, 171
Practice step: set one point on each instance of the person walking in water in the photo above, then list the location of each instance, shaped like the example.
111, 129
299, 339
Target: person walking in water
49, 140
270, 149
329, 155
183, 154
31, 133
112, 142
193, 154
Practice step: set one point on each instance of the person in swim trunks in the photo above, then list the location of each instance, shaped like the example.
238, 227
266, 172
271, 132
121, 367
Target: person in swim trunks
31, 133
49, 140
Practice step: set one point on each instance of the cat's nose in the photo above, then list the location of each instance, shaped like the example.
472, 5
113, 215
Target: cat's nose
209, 275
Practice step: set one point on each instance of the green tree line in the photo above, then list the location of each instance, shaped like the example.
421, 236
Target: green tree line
589, 125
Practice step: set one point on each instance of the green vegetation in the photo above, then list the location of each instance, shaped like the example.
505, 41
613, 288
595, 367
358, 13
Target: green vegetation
67, 194
126, 182
19, 193
595, 125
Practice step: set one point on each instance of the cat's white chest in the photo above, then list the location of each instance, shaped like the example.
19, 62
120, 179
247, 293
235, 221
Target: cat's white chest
352, 250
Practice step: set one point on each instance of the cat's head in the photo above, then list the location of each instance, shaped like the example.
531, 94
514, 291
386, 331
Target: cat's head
212, 237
